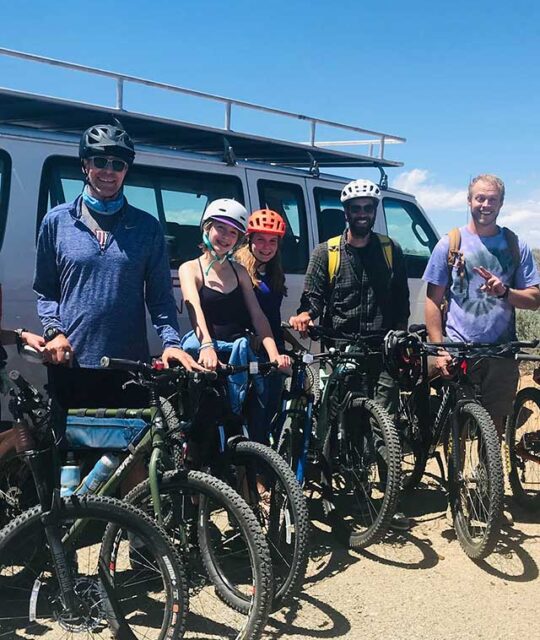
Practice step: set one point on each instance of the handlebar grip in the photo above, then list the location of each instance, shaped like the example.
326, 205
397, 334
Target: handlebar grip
123, 364
21, 383
528, 357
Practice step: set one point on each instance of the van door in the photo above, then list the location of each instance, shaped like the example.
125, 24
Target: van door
408, 225
286, 195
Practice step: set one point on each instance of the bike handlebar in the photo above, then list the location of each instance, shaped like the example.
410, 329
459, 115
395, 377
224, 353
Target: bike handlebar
150, 372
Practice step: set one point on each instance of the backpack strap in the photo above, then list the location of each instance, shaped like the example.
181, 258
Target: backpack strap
388, 250
513, 244
334, 257
455, 256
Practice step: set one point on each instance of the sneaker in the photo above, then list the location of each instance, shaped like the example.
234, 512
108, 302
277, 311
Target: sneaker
400, 522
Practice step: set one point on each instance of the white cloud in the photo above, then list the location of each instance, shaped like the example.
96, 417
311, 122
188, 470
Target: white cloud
431, 195
524, 219
523, 216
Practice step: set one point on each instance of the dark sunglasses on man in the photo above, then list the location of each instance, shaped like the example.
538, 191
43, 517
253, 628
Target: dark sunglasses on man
100, 162
362, 208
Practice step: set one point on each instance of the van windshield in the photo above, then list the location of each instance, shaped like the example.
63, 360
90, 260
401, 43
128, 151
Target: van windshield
177, 198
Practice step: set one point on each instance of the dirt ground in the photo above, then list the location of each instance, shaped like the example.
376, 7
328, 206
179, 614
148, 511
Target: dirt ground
420, 584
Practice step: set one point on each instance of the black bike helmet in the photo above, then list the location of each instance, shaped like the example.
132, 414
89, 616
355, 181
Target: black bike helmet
402, 358
107, 139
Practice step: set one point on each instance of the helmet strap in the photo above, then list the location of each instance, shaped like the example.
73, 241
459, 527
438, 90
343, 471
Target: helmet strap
216, 258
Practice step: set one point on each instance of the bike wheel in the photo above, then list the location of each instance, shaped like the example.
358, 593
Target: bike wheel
132, 586
366, 467
475, 480
523, 448
223, 549
267, 483
415, 440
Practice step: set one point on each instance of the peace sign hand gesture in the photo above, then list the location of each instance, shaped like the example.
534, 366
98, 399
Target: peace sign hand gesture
493, 286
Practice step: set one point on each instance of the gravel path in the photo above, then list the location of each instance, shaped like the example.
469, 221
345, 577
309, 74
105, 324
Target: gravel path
420, 585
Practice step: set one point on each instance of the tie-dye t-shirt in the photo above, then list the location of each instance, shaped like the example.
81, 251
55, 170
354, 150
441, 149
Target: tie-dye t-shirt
473, 315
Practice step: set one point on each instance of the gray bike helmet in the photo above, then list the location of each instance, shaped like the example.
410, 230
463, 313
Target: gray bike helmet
107, 140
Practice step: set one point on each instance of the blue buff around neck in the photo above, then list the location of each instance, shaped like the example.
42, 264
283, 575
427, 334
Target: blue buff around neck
105, 207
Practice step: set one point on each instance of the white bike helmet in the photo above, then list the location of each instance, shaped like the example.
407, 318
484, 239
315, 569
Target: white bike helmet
228, 211
360, 189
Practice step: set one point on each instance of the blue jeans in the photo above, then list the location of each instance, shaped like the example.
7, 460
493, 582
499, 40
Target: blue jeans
237, 353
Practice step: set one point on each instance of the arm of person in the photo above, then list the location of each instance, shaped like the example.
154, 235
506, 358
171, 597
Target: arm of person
526, 298
162, 307
46, 279
158, 292
259, 320
47, 288
433, 315
400, 289
316, 287
190, 283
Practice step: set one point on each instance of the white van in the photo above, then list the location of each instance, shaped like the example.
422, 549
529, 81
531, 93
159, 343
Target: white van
178, 169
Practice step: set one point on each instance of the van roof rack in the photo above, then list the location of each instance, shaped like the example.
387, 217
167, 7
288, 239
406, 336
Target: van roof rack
47, 113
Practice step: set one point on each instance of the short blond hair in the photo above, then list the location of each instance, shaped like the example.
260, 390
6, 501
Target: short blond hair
487, 177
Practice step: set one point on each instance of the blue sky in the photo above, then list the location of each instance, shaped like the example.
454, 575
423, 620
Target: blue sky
459, 80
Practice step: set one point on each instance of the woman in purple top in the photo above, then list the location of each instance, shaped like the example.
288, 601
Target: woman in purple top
261, 258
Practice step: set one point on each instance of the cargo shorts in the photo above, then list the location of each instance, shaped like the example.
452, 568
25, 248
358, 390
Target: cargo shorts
497, 380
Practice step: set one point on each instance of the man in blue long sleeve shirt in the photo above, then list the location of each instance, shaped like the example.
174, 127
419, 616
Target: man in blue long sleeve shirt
99, 260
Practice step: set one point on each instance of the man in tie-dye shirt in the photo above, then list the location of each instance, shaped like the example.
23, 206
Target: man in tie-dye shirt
486, 288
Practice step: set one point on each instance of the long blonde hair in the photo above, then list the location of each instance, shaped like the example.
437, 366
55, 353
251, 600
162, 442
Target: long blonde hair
274, 268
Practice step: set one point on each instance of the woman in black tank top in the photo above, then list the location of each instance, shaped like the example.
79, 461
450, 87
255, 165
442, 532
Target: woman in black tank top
217, 292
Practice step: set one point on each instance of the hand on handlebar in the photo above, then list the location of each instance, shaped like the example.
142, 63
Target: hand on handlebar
181, 356
443, 364
284, 363
208, 359
33, 340
58, 351
301, 323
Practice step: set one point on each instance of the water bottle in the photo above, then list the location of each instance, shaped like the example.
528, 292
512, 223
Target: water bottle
101, 472
70, 476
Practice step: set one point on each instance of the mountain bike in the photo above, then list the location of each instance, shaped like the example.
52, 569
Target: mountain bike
463, 429
213, 530
352, 439
522, 445
217, 441
70, 566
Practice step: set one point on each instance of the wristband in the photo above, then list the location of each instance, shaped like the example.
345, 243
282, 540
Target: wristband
206, 345
505, 294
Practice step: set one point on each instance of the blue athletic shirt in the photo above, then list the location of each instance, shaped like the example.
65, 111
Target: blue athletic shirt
473, 315
97, 297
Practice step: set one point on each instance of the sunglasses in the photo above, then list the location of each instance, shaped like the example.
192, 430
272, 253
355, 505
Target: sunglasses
100, 162
359, 208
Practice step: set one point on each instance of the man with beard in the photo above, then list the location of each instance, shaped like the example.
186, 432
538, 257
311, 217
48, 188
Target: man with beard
367, 293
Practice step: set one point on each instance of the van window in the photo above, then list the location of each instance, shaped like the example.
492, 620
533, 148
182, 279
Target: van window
5, 181
406, 224
176, 198
330, 213
288, 200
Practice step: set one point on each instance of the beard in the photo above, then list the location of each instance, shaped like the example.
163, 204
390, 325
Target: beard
359, 230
